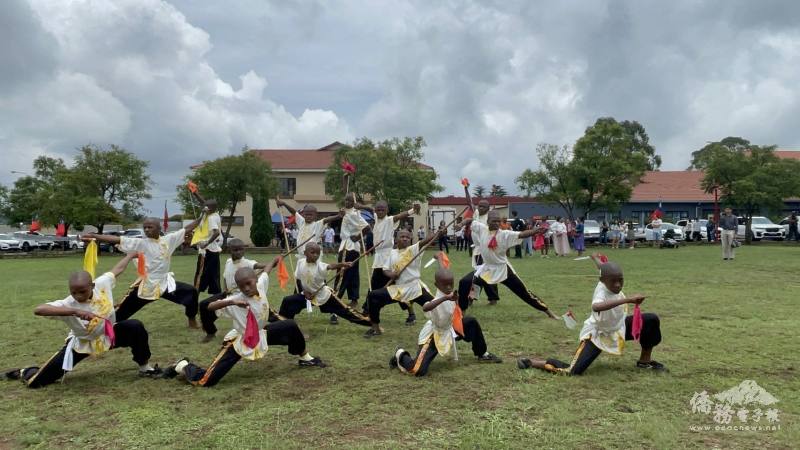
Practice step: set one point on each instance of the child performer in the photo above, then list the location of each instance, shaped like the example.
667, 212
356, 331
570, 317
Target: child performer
403, 267
477, 259
89, 314
307, 224
234, 263
251, 334
492, 242
208, 239
310, 272
438, 335
350, 249
158, 281
607, 329
383, 233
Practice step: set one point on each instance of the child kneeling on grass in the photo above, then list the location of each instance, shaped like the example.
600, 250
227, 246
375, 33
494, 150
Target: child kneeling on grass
438, 336
251, 333
607, 329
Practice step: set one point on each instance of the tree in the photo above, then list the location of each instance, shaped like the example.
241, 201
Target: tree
750, 177
229, 180
479, 191
555, 181
261, 231
609, 160
389, 170
497, 191
102, 186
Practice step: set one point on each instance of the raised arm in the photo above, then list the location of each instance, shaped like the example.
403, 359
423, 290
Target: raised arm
280, 203
334, 217
531, 232
198, 197
189, 228
609, 304
364, 207
110, 238
267, 267
122, 264
400, 216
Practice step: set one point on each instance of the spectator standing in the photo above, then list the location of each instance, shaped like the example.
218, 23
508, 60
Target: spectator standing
793, 228
711, 230
517, 224
604, 233
655, 224
729, 224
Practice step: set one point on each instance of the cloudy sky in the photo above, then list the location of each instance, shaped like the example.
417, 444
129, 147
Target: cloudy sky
483, 82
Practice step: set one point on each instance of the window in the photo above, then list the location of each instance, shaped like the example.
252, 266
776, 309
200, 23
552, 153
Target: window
287, 187
237, 220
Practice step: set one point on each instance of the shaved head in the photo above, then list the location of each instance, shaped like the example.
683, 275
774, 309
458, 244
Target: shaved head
610, 269
243, 274
81, 278
312, 246
443, 274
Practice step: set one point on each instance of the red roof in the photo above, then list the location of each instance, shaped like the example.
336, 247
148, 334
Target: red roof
299, 159
671, 186
493, 201
788, 154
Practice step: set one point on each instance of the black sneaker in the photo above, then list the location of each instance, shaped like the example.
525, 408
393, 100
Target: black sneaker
411, 320
169, 373
208, 338
490, 357
155, 372
524, 363
353, 304
652, 365
315, 362
334, 319
372, 333
393, 362
13, 374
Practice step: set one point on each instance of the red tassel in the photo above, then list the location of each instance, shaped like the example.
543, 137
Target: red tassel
468, 214
458, 321
465, 182
109, 331
603, 258
636, 323
444, 260
493, 242
251, 334
349, 168
141, 267
192, 187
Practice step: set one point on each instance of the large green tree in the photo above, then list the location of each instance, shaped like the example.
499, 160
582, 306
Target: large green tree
479, 191
391, 170
102, 186
750, 178
555, 180
498, 191
229, 180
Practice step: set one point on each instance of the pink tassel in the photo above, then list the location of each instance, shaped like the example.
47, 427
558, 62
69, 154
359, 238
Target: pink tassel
603, 258
109, 331
251, 334
636, 323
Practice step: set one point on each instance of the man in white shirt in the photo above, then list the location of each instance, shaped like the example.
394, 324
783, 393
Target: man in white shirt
209, 247
353, 225
329, 236
251, 335
492, 243
157, 281
607, 329
655, 224
89, 313
492, 294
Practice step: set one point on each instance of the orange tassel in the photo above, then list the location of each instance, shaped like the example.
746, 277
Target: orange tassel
141, 268
283, 274
458, 323
192, 187
444, 260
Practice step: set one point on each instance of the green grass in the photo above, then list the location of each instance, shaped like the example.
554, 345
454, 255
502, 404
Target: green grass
722, 324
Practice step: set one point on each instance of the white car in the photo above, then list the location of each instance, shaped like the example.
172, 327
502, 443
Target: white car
8, 243
683, 223
27, 242
591, 230
762, 228
678, 231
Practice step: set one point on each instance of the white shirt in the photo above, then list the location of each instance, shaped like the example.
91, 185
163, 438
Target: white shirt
476, 239
229, 274
306, 230
606, 329
495, 264
157, 257
312, 277
329, 235
260, 307
352, 224
408, 286
560, 228
440, 326
214, 223
383, 230
90, 335
656, 224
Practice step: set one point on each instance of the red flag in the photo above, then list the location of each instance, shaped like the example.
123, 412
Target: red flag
251, 330
192, 187
166, 217
444, 260
657, 214
349, 168
465, 182
493, 242
283, 274
141, 268
109, 331
603, 258
34, 226
468, 214
61, 228
636, 323
458, 321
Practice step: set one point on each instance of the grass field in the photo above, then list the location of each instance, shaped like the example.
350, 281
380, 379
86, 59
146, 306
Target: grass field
722, 324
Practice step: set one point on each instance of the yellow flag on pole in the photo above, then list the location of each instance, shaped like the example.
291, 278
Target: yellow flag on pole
90, 258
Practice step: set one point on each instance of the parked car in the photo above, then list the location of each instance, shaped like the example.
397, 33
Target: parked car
8, 243
43, 242
133, 233
762, 228
31, 241
683, 223
591, 230
648, 232
785, 224
106, 247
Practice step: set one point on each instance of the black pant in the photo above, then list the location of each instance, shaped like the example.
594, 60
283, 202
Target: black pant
348, 280
379, 281
491, 289
443, 244
293, 304
377, 299
793, 233
518, 251
459, 243
512, 281
207, 318
127, 333
206, 274
587, 352
419, 365
285, 332
184, 294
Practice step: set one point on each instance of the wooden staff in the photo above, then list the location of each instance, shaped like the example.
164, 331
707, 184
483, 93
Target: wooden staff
339, 272
425, 247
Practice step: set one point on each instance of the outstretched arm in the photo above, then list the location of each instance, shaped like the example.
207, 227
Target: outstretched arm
364, 207
120, 266
341, 265
60, 311
334, 218
224, 303
431, 237
531, 232
400, 216
609, 304
189, 228
267, 268
110, 238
